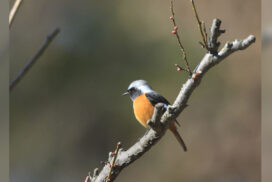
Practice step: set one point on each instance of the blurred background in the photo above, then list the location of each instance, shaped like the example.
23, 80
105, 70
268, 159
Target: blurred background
4, 92
266, 90
68, 112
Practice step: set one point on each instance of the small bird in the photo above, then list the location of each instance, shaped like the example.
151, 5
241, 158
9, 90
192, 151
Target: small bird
144, 99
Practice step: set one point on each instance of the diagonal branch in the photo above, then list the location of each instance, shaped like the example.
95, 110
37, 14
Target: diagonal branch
14, 11
34, 59
210, 59
112, 164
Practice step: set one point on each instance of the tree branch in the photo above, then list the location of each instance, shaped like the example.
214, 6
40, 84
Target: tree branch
155, 123
210, 59
175, 32
201, 27
112, 164
14, 10
215, 33
34, 59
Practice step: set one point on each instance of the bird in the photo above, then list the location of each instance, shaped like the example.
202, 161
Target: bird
144, 99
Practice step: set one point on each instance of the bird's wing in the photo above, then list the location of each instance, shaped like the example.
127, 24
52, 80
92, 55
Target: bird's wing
156, 98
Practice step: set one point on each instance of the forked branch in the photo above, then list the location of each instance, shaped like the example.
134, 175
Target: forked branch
126, 157
158, 124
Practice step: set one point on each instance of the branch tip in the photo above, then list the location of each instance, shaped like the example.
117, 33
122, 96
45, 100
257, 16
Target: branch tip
119, 144
214, 34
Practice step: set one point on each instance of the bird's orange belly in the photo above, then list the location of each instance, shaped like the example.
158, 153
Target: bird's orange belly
143, 109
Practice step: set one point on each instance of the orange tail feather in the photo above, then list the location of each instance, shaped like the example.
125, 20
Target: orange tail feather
177, 135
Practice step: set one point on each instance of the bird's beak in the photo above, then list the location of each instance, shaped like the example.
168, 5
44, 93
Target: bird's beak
126, 93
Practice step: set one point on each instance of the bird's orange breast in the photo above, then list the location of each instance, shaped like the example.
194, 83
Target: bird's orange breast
143, 109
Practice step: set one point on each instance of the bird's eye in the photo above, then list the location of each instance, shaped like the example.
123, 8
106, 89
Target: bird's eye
131, 89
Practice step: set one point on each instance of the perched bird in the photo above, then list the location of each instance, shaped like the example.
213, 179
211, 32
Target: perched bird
144, 99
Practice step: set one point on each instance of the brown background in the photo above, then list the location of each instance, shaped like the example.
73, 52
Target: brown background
68, 112
266, 90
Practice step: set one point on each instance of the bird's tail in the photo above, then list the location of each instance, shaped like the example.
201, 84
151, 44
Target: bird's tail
177, 135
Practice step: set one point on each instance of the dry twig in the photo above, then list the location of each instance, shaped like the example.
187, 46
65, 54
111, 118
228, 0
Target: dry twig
209, 60
14, 11
175, 32
112, 165
34, 59
159, 124
201, 26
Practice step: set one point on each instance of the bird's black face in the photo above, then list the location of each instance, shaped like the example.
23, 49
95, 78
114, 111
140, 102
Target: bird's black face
133, 93
137, 88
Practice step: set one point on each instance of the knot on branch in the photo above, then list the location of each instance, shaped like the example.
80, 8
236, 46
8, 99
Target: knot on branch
171, 109
196, 75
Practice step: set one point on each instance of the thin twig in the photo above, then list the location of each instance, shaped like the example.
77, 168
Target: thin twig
14, 10
201, 29
179, 68
127, 157
115, 154
31, 62
88, 178
178, 38
205, 31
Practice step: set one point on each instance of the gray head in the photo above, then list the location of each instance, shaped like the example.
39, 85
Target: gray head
137, 88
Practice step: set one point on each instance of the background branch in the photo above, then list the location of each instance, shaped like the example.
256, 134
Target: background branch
14, 11
34, 59
125, 158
